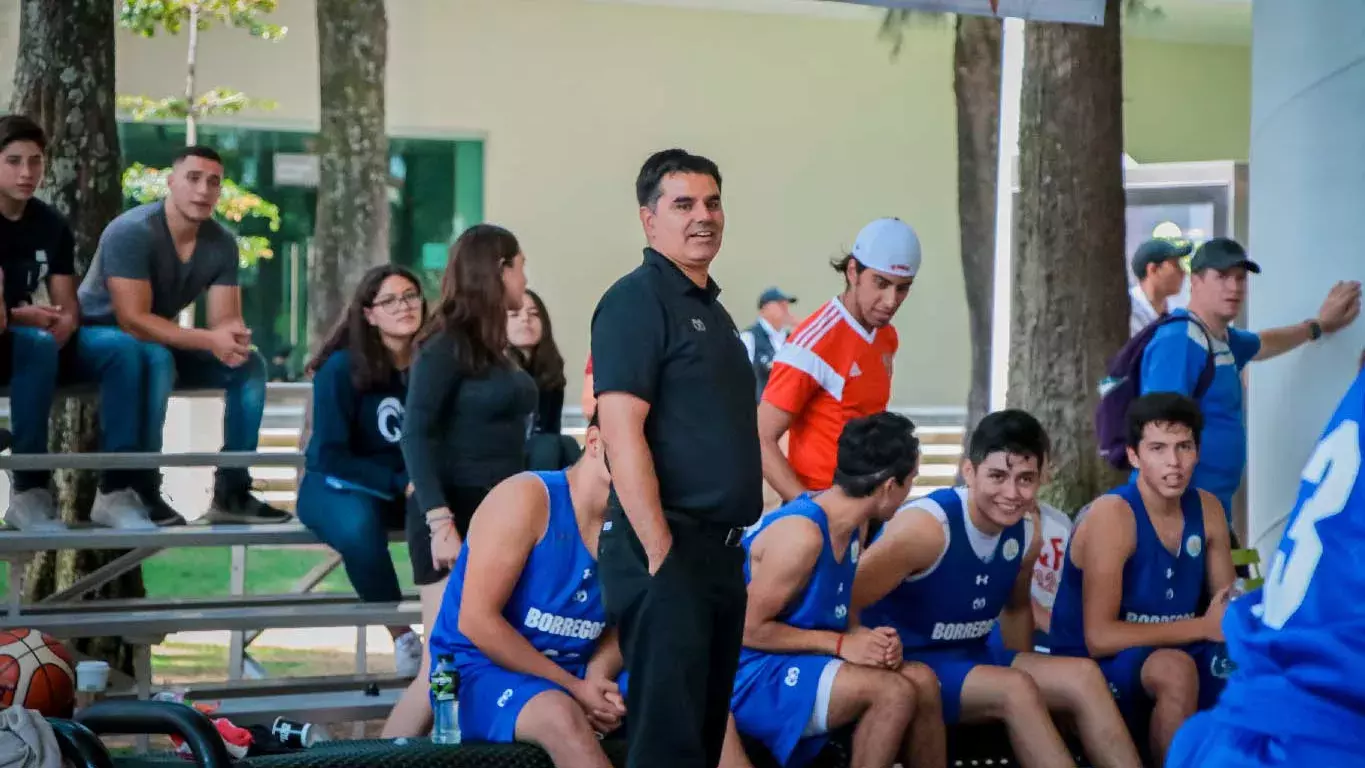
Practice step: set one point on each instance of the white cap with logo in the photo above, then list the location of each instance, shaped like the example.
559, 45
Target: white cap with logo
888, 245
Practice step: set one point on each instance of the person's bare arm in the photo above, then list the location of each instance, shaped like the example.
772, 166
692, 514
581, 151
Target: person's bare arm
224, 305
61, 290
607, 661
132, 301
1218, 567
1016, 618
780, 561
1339, 310
622, 417
910, 543
504, 530
1102, 544
773, 423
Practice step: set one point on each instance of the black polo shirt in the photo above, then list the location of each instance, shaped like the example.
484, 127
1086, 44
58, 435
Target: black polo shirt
660, 337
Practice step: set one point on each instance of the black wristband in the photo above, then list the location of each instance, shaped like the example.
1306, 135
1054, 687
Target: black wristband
1314, 330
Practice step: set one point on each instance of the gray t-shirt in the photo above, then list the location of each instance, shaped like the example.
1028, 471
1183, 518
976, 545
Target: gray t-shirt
137, 245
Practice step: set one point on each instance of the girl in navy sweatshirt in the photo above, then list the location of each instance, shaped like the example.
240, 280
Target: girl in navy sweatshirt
355, 485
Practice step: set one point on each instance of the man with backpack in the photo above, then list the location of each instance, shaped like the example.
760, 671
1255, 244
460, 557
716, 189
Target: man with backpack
1196, 352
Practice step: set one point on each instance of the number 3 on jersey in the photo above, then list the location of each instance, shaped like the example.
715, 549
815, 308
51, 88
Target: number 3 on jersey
1333, 470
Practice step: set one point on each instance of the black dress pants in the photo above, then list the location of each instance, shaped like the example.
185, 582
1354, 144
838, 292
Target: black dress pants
680, 633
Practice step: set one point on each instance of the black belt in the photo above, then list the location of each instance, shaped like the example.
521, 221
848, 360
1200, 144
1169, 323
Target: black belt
727, 535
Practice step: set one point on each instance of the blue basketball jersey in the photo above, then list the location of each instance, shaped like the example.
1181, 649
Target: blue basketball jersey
775, 693
557, 602
1299, 642
1158, 585
823, 602
957, 602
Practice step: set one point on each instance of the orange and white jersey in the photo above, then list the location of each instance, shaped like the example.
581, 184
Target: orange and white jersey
830, 371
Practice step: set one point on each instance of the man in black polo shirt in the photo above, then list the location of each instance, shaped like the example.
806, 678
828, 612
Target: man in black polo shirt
676, 406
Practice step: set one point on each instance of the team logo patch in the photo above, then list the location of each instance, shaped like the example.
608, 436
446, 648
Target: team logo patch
1011, 549
1194, 545
853, 551
390, 415
698, 324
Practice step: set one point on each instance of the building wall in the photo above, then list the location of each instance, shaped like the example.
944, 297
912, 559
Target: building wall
816, 128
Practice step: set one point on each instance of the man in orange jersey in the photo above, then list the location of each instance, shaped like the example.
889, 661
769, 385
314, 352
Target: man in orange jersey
836, 365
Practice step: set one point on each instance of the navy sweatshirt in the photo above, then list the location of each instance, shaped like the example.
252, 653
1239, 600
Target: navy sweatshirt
356, 435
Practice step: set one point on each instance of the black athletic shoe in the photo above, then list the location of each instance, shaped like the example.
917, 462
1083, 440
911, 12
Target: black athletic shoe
159, 510
233, 503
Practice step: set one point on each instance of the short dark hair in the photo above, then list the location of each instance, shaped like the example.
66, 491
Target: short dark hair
1010, 431
1163, 408
21, 128
648, 185
840, 265
874, 449
198, 150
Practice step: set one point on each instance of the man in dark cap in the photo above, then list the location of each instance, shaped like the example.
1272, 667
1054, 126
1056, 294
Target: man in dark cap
768, 333
1179, 352
1160, 275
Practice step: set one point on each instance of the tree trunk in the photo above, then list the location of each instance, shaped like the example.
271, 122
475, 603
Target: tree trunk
976, 84
1070, 309
352, 232
191, 118
64, 79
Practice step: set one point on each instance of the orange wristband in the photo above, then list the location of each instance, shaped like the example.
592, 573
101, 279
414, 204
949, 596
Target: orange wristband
839, 647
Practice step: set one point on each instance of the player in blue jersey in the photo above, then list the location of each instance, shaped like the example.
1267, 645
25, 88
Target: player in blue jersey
947, 566
1137, 568
1296, 697
804, 669
524, 619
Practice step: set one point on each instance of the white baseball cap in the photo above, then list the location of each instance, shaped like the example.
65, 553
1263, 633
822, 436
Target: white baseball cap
888, 245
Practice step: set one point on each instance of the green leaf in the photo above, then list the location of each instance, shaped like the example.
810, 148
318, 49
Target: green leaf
146, 17
225, 101
141, 108
235, 204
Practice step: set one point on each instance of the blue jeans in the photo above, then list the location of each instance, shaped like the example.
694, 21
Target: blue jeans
39, 367
356, 525
160, 370
32, 386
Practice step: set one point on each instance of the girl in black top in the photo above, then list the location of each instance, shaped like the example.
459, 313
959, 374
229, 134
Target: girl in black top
532, 337
355, 485
469, 407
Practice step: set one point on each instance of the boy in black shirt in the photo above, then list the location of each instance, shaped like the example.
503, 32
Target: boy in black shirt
36, 246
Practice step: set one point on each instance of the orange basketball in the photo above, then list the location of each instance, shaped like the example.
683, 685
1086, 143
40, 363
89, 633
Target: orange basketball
36, 672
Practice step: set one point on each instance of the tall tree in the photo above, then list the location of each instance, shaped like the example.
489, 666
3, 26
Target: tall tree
1070, 307
352, 231
148, 17
64, 79
976, 90
976, 87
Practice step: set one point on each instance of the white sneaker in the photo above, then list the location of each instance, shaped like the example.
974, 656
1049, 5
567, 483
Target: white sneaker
121, 509
407, 655
33, 510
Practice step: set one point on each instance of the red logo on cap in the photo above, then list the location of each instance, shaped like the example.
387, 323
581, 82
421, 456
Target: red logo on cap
899, 268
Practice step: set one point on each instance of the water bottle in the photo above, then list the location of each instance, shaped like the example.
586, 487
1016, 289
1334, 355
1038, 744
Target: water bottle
445, 713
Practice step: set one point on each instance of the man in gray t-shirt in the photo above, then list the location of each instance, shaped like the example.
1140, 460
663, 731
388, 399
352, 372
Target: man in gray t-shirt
152, 262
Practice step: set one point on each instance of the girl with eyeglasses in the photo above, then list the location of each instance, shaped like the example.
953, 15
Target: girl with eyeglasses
355, 482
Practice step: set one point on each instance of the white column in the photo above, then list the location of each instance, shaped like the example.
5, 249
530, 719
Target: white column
1011, 85
1307, 231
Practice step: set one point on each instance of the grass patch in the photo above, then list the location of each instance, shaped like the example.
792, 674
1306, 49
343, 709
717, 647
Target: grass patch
206, 571
186, 663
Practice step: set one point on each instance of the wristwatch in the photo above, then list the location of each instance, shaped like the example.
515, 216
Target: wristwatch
1314, 330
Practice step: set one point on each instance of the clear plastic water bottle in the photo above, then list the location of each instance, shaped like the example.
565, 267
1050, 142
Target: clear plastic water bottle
445, 713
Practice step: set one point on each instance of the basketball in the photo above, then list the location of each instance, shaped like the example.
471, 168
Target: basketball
36, 672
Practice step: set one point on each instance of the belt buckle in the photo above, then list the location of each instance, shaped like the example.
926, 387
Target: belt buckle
734, 537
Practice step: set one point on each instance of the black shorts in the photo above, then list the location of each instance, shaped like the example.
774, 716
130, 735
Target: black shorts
463, 500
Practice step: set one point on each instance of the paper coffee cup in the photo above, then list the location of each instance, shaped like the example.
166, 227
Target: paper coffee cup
92, 676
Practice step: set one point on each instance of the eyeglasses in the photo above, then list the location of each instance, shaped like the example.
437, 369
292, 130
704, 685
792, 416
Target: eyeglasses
392, 303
